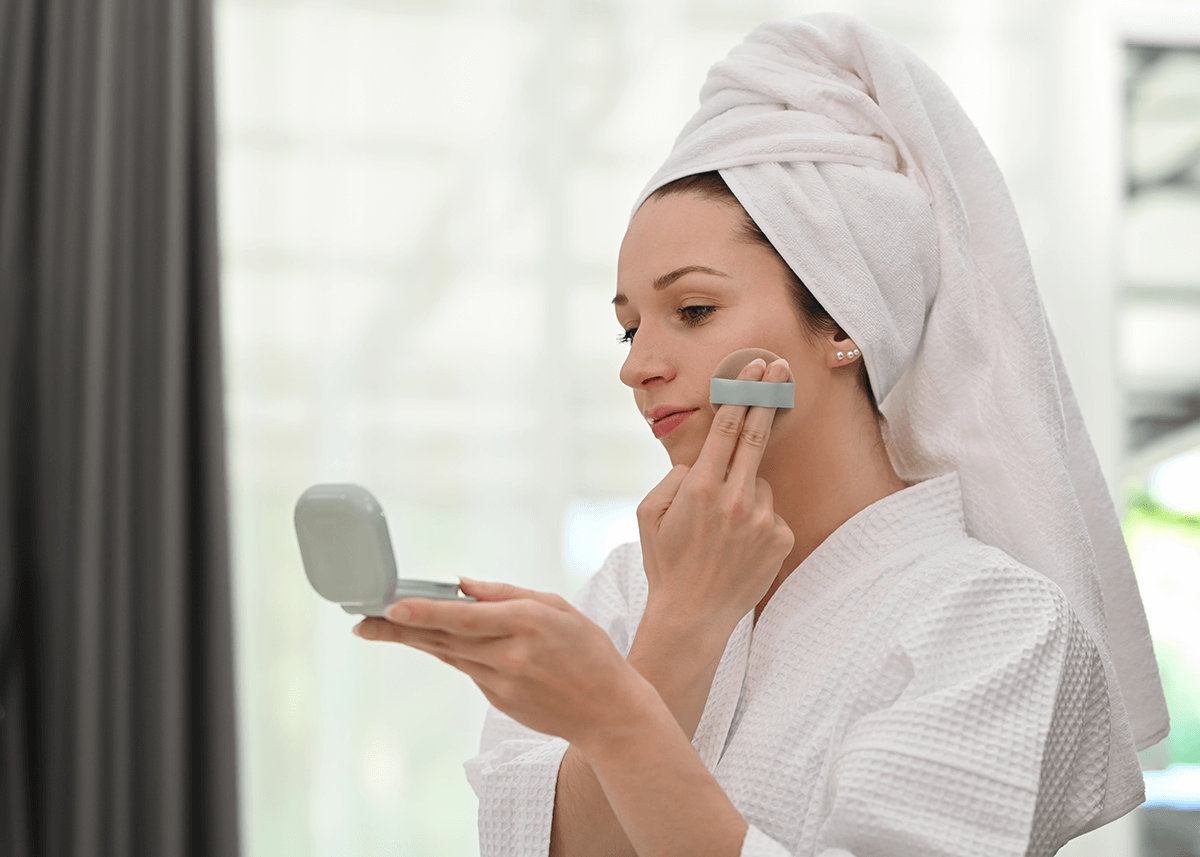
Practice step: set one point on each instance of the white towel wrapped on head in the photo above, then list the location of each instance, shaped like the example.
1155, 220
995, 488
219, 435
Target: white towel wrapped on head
863, 170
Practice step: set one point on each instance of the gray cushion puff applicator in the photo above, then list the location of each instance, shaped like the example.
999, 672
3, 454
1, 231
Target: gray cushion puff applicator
726, 389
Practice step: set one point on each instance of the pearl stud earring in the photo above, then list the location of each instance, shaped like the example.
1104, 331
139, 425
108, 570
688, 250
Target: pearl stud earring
841, 356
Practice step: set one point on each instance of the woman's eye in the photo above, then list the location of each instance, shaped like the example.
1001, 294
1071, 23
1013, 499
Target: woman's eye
693, 315
627, 336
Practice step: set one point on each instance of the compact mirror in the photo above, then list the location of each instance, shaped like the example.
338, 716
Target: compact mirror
347, 551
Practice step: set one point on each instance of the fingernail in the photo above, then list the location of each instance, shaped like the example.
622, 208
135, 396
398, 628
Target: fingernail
398, 612
755, 369
365, 630
778, 370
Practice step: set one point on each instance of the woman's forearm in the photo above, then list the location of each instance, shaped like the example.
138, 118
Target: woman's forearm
680, 663
666, 801
584, 824
679, 656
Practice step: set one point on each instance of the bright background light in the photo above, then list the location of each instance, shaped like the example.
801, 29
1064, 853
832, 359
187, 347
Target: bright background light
1176, 483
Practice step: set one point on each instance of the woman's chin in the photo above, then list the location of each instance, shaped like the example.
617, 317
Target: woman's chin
681, 451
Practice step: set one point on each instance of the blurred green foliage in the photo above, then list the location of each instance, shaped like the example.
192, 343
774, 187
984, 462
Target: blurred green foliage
1178, 656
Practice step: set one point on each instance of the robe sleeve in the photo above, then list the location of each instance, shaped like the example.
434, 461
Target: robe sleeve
997, 745
515, 773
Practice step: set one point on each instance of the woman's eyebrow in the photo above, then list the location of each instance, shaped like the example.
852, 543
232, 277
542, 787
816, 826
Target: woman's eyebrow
665, 280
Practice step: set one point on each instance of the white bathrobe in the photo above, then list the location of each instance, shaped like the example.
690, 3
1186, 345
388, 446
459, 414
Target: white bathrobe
907, 692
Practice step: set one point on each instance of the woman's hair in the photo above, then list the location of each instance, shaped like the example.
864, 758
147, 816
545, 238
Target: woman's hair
815, 318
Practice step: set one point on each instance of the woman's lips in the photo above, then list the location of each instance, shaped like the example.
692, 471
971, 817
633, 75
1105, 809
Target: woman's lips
663, 426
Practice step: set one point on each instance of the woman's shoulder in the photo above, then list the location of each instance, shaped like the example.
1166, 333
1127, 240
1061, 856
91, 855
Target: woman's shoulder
966, 590
912, 549
966, 565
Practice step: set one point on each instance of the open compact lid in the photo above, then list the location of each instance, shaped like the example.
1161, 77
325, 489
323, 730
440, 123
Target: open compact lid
345, 545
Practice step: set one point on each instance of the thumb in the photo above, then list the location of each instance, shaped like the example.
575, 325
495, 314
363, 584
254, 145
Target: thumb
655, 504
483, 590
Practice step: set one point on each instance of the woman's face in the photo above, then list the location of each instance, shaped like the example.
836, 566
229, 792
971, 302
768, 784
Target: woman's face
690, 291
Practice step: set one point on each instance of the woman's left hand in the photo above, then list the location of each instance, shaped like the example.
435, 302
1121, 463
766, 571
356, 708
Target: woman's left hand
534, 656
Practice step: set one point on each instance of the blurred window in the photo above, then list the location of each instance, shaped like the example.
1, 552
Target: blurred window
419, 238
1160, 357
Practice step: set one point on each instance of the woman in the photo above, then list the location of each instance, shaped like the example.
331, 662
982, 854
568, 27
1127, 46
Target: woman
903, 629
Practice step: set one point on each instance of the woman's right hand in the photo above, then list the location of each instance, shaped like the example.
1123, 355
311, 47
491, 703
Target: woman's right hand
712, 543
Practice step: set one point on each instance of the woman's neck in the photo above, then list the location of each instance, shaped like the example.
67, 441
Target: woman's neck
836, 469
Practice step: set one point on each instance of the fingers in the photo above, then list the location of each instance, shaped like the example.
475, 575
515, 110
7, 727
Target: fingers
471, 657
655, 504
738, 436
787, 539
501, 609
441, 644
717, 453
488, 591
756, 431
463, 618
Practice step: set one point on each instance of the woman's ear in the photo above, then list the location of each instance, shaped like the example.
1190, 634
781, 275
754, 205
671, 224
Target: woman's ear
841, 350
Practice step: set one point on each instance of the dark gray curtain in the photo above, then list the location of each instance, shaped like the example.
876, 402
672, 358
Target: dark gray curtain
117, 731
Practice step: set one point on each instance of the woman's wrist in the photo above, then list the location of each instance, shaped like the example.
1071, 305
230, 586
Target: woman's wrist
633, 709
676, 649
689, 631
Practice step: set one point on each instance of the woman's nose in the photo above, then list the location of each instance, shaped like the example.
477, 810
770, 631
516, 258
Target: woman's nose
645, 364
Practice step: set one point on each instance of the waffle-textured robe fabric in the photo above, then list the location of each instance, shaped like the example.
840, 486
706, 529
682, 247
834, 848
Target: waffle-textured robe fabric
907, 691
